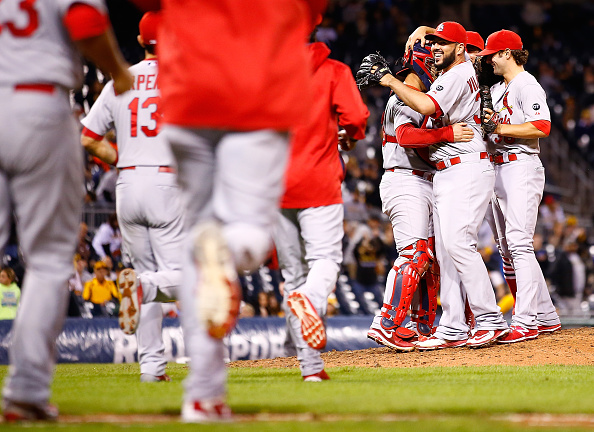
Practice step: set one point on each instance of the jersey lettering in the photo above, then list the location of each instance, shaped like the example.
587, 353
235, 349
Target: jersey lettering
473, 84
27, 6
153, 129
505, 104
145, 82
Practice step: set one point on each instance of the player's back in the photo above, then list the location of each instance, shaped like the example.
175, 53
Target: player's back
136, 117
35, 46
396, 114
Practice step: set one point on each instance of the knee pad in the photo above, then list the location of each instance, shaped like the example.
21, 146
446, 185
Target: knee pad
249, 245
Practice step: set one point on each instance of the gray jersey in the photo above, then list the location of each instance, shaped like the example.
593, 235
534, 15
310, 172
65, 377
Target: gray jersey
455, 93
395, 156
35, 46
136, 118
522, 100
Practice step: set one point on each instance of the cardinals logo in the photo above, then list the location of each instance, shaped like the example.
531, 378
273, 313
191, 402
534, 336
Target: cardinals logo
505, 104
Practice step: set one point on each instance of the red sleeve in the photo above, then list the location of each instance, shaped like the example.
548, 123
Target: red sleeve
349, 105
543, 126
408, 135
91, 134
84, 21
438, 112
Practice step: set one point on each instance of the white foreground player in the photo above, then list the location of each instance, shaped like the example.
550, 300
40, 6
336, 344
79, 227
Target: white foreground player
523, 117
148, 201
462, 188
41, 173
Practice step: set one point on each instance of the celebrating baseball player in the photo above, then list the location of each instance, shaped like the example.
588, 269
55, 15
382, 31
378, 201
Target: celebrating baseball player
462, 188
407, 198
309, 233
41, 175
230, 141
148, 201
520, 116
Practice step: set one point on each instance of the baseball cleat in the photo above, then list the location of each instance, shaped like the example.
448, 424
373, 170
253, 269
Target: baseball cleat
482, 338
391, 338
206, 411
318, 377
434, 342
25, 412
218, 293
312, 326
131, 292
518, 334
154, 378
548, 329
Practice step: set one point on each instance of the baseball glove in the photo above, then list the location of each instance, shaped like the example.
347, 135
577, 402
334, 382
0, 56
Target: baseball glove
486, 102
366, 77
484, 72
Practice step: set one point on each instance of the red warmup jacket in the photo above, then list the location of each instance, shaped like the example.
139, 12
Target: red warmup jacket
315, 172
238, 65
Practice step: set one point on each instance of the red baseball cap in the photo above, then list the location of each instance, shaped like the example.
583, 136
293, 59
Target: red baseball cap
450, 31
148, 27
502, 40
475, 40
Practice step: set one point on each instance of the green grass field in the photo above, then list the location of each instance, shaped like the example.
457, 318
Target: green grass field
356, 399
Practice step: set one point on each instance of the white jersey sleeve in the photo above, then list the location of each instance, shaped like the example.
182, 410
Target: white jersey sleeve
456, 96
34, 45
136, 118
522, 100
396, 114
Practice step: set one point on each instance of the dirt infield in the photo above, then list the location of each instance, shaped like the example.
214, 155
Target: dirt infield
565, 347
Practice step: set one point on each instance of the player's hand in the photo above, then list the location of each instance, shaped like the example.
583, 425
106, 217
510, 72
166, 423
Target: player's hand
418, 35
122, 81
345, 141
462, 133
490, 121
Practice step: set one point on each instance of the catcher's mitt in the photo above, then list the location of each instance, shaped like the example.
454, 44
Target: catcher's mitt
484, 72
486, 102
366, 77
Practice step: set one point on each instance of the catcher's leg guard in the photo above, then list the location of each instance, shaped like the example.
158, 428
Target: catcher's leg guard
425, 316
402, 283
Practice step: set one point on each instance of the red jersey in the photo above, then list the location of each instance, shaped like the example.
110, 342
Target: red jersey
236, 65
315, 171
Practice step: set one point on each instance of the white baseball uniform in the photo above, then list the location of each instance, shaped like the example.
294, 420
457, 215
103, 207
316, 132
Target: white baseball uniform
406, 190
462, 188
148, 200
40, 179
519, 186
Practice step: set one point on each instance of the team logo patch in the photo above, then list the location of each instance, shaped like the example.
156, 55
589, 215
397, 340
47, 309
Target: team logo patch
439, 88
440, 27
536, 107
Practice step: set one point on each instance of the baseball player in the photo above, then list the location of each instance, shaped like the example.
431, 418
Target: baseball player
522, 118
547, 319
41, 173
407, 198
230, 141
309, 233
148, 200
462, 188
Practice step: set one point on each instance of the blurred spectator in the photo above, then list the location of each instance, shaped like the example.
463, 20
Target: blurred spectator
108, 240
83, 248
102, 292
550, 215
10, 294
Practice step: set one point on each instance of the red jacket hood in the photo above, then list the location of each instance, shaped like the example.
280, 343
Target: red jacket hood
318, 53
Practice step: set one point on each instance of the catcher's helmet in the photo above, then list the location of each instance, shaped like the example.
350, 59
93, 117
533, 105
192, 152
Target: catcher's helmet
420, 60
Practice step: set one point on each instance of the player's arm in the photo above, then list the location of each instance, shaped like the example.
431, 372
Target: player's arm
352, 111
97, 145
410, 136
418, 35
415, 99
531, 129
91, 32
